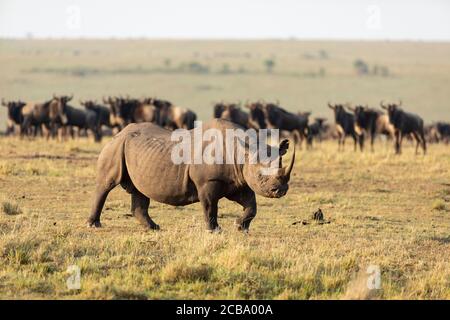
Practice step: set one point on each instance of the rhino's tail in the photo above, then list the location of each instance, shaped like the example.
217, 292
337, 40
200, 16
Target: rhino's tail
111, 166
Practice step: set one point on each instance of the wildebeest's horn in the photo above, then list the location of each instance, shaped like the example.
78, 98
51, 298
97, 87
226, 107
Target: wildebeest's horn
382, 105
288, 169
70, 98
351, 108
330, 106
3, 102
82, 102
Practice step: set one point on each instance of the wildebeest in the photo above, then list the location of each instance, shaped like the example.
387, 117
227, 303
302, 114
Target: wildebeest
146, 111
278, 118
64, 116
174, 117
139, 158
36, 117
116, 117
103, 115
316, 130
405, 123
373, 122
15, 116
232, 112
345, 123
439, 131
257, 119
218, 109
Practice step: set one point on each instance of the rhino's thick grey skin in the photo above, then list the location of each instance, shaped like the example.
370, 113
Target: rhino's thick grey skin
139, 159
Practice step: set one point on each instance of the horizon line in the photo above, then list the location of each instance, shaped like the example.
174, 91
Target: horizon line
251, 39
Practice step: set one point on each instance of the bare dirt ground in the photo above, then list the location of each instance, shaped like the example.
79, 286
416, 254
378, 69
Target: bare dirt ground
387, 211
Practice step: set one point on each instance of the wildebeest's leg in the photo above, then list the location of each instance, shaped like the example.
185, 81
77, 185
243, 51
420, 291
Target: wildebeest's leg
398, 142
339, 141
139, 208
360, 139
247, 200
372, 140
209, 199
424, 142
416, 137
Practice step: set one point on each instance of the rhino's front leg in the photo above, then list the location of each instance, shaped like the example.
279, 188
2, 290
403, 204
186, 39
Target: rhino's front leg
209, 197
247, 200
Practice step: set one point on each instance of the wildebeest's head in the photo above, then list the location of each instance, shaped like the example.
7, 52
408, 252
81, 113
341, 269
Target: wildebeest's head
229, 111
58, 106
362, 115
14, 109
267, 181
393, 110
257, 117
218, 109
90, 104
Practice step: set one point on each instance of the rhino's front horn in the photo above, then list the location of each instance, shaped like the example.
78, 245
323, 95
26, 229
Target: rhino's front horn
288, 169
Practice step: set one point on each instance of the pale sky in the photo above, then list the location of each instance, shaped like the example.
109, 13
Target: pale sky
319, 19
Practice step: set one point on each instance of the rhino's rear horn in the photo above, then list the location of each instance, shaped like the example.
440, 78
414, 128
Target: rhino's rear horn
287, 170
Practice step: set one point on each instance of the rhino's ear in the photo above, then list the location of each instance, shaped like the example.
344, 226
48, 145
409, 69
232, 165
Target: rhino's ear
284, 146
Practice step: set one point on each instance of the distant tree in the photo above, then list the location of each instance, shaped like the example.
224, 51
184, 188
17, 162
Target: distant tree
361, 67
270, 64
384, 71
323, 54
322, 72
167, 63
225, 68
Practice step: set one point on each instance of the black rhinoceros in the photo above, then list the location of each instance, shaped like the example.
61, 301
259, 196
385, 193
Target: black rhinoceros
139, 158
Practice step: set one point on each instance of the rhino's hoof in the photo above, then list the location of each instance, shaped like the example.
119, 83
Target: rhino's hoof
242, 229
155, 227
94, 224
215, 230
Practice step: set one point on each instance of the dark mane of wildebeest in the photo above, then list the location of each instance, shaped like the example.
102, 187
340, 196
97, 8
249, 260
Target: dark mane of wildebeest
373, 122
257, 119
345, 123
232, 112
316, 130
278, 118
15, 116
139, 158
405, 123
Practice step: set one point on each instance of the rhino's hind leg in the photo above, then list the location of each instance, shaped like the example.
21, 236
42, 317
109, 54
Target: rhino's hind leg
139, 208
100, 197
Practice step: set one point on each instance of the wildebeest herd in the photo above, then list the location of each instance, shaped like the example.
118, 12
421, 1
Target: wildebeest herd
56, 118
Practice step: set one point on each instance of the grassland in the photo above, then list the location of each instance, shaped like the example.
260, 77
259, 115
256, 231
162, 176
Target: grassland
305, 76
385, 210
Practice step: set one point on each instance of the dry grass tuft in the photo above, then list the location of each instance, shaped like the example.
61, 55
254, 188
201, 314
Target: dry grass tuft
10, 208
